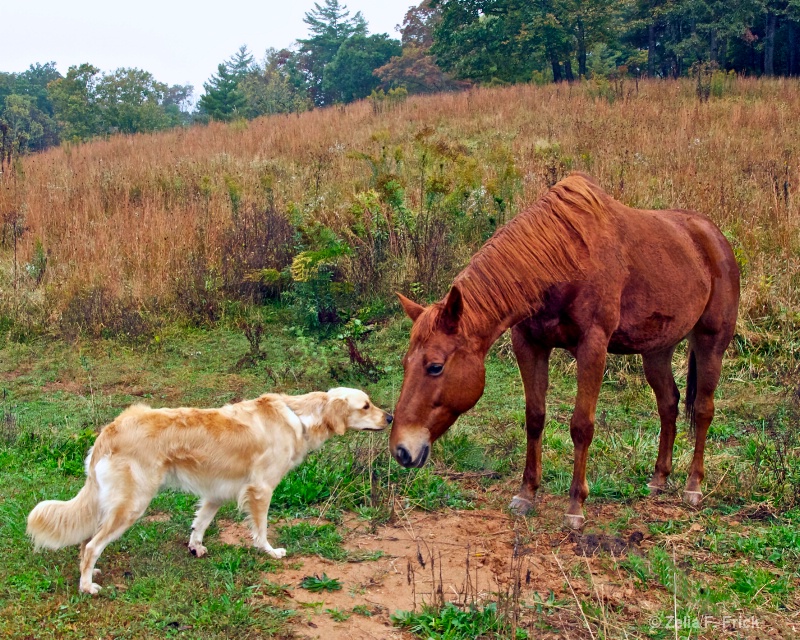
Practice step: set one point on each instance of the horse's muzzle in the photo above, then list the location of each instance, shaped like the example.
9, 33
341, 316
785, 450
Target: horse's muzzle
403, 456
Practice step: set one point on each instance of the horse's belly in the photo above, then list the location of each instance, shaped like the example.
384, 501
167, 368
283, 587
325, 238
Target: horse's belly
655, 332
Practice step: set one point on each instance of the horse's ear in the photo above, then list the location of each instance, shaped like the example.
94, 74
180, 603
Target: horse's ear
451, 312
412, 309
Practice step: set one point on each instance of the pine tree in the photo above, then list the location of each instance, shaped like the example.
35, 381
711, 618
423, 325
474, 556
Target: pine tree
222, 100
330, 26
241, 62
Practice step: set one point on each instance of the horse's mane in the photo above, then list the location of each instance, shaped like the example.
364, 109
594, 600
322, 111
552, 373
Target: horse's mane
542, 246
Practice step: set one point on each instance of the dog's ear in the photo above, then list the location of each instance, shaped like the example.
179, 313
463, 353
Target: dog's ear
335, 415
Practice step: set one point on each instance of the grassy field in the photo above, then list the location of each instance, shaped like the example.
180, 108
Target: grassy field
201, 266
736, 558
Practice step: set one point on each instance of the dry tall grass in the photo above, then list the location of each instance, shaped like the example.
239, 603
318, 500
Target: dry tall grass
133, 213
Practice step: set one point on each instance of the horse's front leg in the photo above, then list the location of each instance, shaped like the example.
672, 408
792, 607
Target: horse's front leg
591, 360
533, 367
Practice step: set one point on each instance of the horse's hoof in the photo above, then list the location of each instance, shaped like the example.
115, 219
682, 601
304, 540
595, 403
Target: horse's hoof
693, 498
656, 489
521, 506
574, 522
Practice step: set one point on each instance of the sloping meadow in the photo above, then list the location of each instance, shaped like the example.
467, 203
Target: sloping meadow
336, 208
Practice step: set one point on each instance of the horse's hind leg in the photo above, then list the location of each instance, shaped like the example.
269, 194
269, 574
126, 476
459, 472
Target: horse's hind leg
708, 351
533, 363
658, 371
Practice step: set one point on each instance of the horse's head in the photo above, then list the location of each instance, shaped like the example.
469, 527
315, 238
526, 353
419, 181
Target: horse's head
444, 377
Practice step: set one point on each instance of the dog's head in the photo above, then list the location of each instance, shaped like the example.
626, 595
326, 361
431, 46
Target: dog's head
352, 409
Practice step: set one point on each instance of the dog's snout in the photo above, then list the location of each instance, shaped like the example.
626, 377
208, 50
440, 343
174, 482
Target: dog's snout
403, 456
389, 418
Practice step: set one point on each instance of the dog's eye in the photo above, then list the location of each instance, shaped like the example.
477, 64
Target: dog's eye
366, 406
434, 369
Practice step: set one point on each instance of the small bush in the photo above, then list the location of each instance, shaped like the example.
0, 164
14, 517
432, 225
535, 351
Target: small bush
385, 100
96, 312
256, 248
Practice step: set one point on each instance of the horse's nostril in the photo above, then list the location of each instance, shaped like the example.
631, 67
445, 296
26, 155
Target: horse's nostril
423, 456
403, 456
389, 418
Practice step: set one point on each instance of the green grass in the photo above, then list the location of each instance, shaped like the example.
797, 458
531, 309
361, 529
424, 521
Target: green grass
317, 583
452, 623
739, 554
307, 539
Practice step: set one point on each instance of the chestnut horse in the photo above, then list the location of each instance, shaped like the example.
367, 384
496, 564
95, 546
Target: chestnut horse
582, 272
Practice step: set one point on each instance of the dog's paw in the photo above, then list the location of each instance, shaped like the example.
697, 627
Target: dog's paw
277, 553
198, 550
93, 589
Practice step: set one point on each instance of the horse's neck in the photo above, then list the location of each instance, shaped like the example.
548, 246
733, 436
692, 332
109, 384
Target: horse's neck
487, 328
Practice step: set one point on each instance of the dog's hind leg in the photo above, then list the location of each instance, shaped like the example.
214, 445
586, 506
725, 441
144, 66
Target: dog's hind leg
205, 514
128, 493
95, 572
117, 522
255, 500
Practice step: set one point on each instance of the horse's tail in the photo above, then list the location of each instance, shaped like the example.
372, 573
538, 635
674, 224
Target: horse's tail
691, 390
54, 524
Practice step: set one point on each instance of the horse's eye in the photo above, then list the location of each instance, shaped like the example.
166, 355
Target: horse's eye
434, 369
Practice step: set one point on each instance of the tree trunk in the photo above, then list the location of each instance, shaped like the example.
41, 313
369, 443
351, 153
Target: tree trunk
556, 68
651, 50
769, 45
581, 49
713, 46
568, 70
792, 49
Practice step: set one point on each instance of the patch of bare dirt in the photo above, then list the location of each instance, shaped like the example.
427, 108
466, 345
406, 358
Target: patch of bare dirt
74, 387
461, 557
233, 533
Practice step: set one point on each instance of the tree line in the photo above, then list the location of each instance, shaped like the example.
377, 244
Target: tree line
555, 40
444, 45
40, 108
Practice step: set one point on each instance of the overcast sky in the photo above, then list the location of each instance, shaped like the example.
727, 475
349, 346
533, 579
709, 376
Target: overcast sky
178, 42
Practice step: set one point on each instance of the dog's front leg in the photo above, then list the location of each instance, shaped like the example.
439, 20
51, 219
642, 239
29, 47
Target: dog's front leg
255, 500
205, 514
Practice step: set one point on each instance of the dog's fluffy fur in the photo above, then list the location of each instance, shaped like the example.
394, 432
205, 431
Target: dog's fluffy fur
239, 451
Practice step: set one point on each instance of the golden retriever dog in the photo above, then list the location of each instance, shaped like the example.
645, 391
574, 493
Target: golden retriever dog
239, 451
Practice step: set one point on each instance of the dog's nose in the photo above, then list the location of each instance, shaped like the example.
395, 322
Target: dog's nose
403, 456
389, 418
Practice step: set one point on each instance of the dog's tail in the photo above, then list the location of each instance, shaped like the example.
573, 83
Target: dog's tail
54, 524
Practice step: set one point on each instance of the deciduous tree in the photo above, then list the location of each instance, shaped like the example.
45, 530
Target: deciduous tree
74, 102
349, 76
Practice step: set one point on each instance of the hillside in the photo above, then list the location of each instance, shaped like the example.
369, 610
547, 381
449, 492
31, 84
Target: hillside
389, 196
